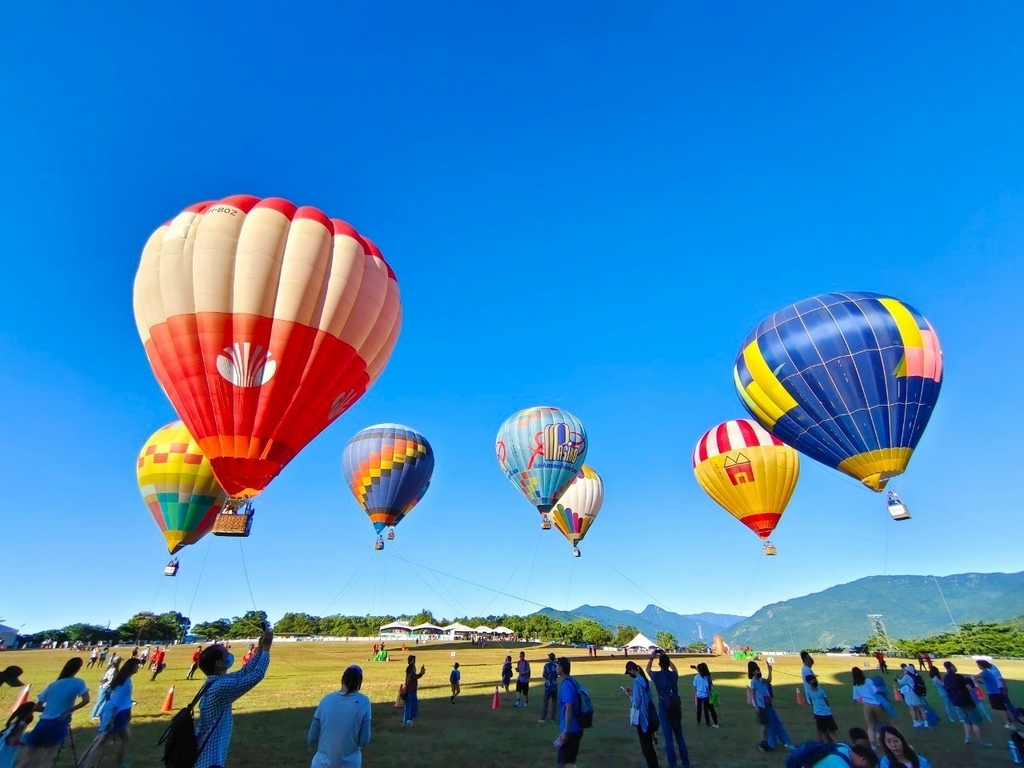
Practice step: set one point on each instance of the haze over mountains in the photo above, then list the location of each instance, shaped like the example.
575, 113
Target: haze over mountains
911, 606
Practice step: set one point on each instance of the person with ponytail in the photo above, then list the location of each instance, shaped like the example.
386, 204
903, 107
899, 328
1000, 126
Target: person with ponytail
115, 718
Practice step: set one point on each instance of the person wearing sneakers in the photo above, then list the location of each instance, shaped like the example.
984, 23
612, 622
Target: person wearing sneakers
994, 685
522, 681
958, 688
412, 685
550, 673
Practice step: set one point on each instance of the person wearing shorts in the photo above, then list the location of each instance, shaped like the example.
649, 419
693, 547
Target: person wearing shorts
522, 681
994, 687
958, 688
824, 722
455, 678
568, 742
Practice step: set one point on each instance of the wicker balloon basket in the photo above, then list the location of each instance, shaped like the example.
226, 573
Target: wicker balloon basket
232, 524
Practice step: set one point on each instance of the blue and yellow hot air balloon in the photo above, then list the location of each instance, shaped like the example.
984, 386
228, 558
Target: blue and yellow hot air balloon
178, 486
849, 379
540, 450
388, 469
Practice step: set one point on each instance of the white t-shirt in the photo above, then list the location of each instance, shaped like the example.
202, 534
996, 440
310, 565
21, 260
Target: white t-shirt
867, 693
702, 687
59, 696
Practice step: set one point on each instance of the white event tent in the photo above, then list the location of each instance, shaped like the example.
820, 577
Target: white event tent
642, 642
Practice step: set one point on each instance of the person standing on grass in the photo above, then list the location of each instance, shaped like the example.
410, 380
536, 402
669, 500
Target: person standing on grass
702, 689
412, 685
94, 656
341, 724
805, 670
958, 688
937, 682
641, 712
195, 662
670, 707
222, 690
995, 688
455, 678
910, 683
57, 703
568, 741
882, 666
865, 693
522, 681
506, 675
104, 690
550, 673
158, 662
824, 722
117, 715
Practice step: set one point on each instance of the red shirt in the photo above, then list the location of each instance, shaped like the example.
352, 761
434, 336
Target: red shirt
195, 657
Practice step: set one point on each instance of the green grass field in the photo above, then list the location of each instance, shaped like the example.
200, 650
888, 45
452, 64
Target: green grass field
271, 722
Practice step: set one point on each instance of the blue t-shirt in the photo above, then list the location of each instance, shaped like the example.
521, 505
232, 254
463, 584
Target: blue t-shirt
569, 694
818, 701
990, 682
701, 686
665, 680
760, 689
455, 677
59, 696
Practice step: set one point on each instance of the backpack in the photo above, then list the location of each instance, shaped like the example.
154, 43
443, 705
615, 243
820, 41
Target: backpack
585, 708
669, 698
919, 688
181, 748
810, 753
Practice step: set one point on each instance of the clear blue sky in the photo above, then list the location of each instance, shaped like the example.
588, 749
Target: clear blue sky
587, 204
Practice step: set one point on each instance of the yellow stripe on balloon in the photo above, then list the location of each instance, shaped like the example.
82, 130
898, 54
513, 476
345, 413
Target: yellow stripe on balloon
766, 392
876, 468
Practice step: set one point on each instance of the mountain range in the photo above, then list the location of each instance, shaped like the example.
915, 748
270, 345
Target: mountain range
910, 607
687, 628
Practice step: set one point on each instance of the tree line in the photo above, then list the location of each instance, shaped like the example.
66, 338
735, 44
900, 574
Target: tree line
980, 638
171, 626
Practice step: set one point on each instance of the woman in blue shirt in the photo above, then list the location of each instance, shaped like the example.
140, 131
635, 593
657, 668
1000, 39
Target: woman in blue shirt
641, 709
114, 717
341, 725
57, 703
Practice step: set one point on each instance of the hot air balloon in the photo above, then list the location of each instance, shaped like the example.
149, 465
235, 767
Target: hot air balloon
388, 469
540, 450
178, 487
263, 322
849, 379
578, 507
749, 472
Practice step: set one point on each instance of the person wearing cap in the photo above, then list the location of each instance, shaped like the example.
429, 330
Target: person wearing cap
550, 674
341, 724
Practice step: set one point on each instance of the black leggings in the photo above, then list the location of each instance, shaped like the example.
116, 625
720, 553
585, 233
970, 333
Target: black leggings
704, 705
647, 747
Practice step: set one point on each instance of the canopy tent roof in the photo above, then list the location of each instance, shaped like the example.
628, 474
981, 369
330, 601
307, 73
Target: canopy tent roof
641, 641
501, 629
396, 625
426, 627
458, 627
483, 629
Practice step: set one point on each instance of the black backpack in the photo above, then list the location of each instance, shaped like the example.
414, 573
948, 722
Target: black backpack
919, 688
181, 747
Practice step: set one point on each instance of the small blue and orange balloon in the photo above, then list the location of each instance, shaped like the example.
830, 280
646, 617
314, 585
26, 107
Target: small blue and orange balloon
388, 469
849, 379
540, 450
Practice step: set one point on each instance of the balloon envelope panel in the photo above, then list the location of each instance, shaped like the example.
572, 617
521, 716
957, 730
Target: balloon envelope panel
263, 322
540, 450
850, 379
388, 469
178, 486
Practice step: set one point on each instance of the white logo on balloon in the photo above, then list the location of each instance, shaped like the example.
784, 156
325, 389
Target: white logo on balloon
246, 365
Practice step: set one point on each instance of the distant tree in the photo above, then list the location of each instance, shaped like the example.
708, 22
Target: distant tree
426, 616
695, 647
214, 630
625, 633
298, 623
666, 640
148, 627
249, 625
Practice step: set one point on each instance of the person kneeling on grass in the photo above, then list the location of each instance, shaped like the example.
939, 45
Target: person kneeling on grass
341, 725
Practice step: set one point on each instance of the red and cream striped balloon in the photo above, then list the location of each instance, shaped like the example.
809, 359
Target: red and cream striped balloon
263, 322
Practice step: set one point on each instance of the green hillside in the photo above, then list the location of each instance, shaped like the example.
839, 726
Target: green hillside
911, 607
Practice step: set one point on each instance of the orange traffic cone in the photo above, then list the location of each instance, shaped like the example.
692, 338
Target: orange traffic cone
496, 701
169, 701
896, 693
799, 697
399, 702
22, 698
